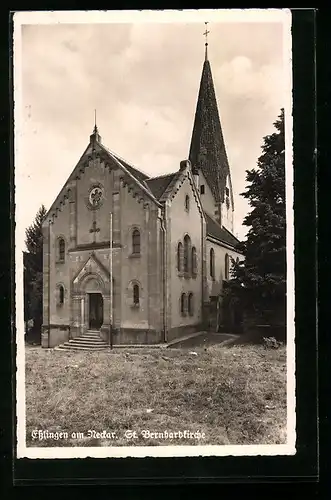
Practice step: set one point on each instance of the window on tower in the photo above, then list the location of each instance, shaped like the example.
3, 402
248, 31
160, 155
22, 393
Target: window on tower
227, 192
187, 203
61, 250
136, 242
60, 295
194, 262
187, 253
180, 257
136, 295
202, 189
183, 304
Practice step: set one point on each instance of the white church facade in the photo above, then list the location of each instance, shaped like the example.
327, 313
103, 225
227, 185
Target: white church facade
138, 259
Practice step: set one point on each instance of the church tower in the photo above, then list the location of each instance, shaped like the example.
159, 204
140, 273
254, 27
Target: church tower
208, 154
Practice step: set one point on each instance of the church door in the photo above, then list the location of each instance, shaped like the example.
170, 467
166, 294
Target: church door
95, 311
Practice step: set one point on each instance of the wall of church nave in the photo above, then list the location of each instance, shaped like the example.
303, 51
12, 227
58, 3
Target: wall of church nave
97, 221
140, 265
58, 335
56, 293
216, 272
207, 198
183, 222
138, 336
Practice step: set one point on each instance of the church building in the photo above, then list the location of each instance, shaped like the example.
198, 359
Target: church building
133, 259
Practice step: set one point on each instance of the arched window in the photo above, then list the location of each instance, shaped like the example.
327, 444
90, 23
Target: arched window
135, 241
180, 257
190, 304
227, 266
187, 253
187, 203
212, 263
62, 247
194, 262
183, 304
61, 295
136, 294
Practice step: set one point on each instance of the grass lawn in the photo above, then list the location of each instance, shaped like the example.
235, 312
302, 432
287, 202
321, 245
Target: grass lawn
233, 395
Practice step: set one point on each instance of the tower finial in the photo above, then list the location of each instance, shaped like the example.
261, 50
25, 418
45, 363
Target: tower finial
206, 43
95, 136
95, 122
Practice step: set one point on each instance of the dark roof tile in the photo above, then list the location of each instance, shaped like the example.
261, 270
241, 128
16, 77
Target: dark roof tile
220, 233
158, 185
207, 150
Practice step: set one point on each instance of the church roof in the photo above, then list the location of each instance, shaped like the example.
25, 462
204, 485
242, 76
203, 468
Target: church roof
159, 184
215, 230
134, 171
207, 150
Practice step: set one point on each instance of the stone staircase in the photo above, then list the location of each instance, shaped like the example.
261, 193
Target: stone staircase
89, 341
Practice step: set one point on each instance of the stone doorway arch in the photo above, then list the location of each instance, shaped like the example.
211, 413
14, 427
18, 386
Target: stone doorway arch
91, 294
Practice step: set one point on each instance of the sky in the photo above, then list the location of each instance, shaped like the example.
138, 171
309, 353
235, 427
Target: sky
143, 80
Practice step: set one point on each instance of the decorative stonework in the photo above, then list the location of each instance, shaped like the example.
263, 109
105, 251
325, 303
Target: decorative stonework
96, 196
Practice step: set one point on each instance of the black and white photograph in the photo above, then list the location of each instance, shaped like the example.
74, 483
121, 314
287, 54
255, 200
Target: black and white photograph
154, 233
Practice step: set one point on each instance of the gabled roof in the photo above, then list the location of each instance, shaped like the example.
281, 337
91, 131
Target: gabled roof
207, 150
215, 230
141, 176
159, 184
131, 172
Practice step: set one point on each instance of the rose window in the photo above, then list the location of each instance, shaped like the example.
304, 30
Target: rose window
95, 197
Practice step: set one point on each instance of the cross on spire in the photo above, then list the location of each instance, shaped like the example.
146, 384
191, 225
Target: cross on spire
206, 43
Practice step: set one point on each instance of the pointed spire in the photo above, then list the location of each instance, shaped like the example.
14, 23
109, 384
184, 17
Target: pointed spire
207, 150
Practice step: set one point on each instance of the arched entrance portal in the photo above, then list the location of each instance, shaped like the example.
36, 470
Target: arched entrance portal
92, 299
95, 312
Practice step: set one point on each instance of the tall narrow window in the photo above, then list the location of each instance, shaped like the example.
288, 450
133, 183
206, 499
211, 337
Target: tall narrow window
61, 244
187, 252
183, 304
194, 262
180, 257
202, 189
136, 241
136, 295
212, 263
187, 203
227, 266
190, 304
61, 295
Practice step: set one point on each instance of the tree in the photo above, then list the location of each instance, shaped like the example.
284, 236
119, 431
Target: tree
33, 271
260, 280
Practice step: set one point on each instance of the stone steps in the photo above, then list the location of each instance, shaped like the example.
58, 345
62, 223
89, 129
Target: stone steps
89, 341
